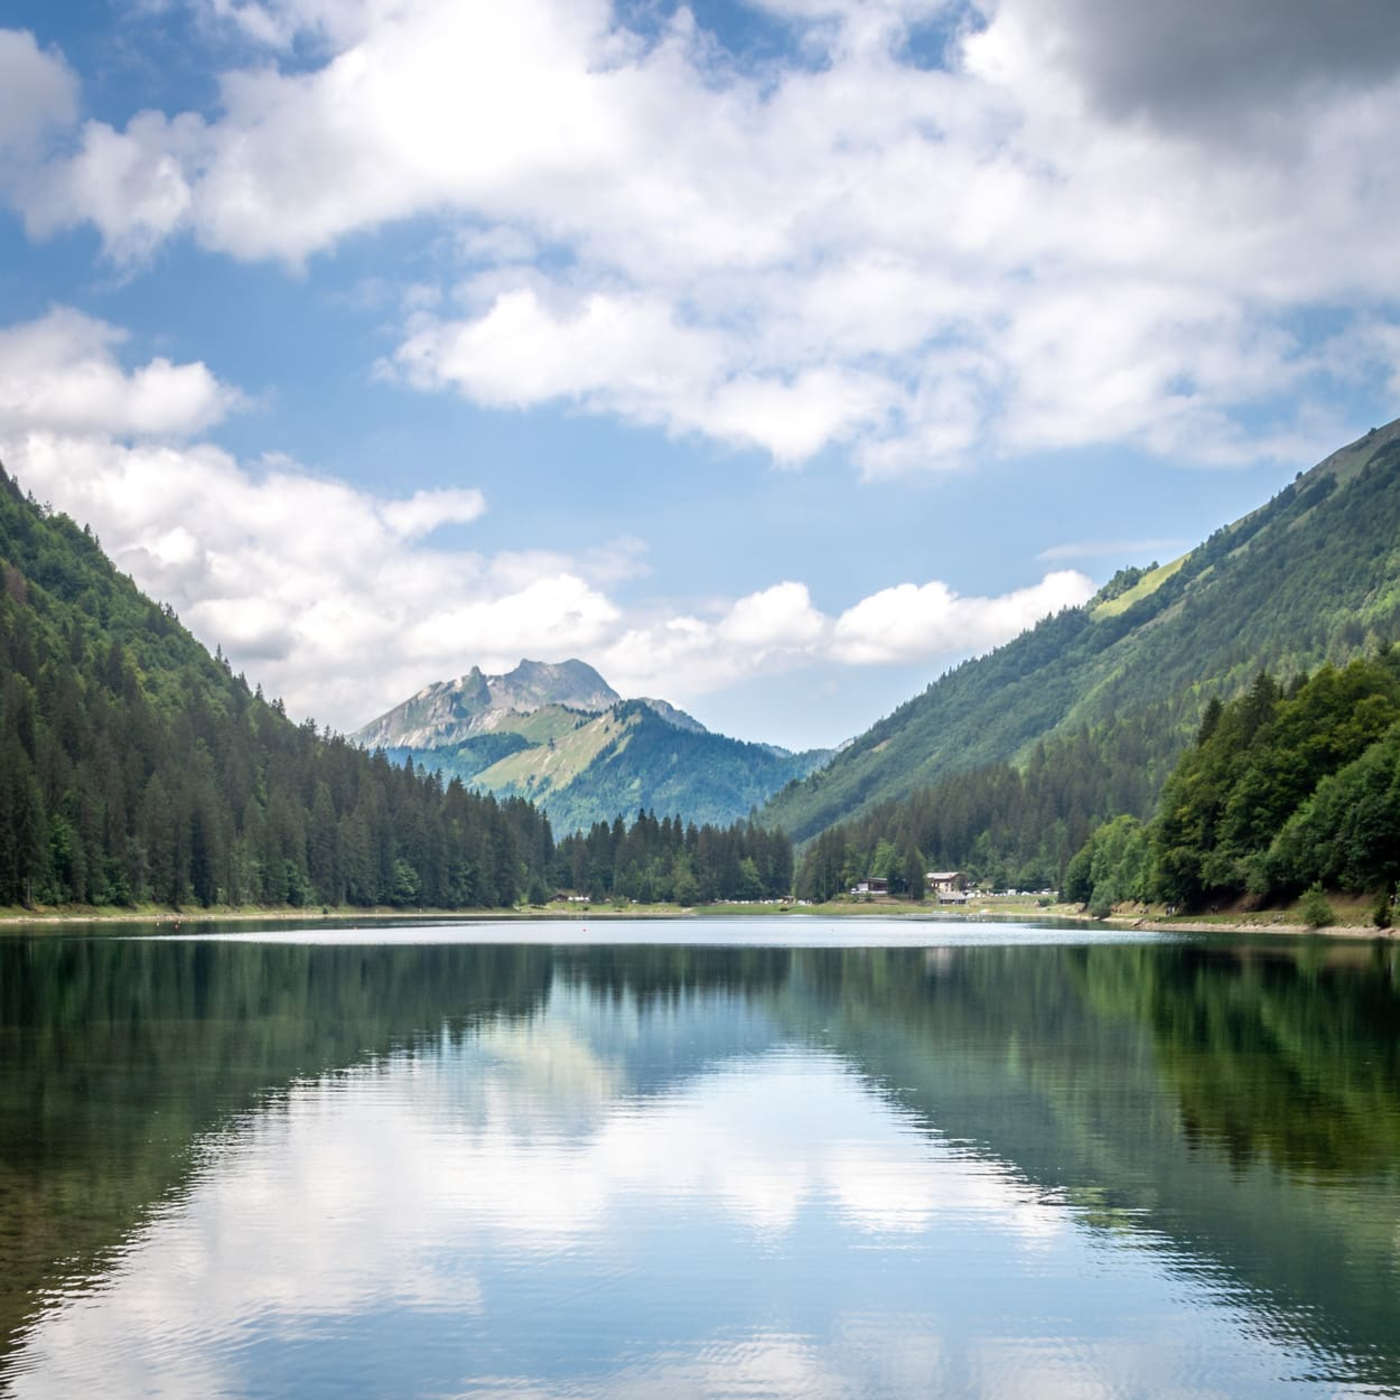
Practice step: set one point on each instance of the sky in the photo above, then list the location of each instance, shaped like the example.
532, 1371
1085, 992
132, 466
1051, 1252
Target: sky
771, 357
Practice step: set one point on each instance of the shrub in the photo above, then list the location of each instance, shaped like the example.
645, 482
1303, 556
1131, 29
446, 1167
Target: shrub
1101, 905
1316, 911
1381, 912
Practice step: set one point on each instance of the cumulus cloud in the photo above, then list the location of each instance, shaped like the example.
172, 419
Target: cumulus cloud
328, 595
38, 91
424, 511
338, 600
779, 629
626, 351
1200, 65
1062, 234
342, 601
132, 184
62, 373
906, 622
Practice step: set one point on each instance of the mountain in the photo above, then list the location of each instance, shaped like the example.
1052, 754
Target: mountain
136, 768
451, 712
562, 737
1310, 577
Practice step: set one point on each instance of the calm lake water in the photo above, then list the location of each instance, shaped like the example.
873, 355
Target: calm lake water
758, 1158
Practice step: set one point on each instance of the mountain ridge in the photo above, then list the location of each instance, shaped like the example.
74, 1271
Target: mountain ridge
448, 712
559, 735
1312, 575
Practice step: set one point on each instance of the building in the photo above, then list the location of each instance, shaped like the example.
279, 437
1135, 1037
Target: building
872, 884
947, 886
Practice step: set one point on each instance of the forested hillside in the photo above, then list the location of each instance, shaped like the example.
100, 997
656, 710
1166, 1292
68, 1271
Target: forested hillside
135, 767
1311, 577
1008, 826
1283, 788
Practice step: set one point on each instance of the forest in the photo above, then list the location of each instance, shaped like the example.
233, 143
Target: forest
676, 863
135, 768
1311, 577
1003, 826
1286, 788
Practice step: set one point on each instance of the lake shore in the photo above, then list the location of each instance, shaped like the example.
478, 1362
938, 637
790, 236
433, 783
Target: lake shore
151, 914
995, 907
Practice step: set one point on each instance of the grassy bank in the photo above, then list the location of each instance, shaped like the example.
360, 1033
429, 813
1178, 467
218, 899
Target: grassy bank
1352, 916
51, 915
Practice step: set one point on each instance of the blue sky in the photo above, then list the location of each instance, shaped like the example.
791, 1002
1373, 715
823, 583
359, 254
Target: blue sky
770, 357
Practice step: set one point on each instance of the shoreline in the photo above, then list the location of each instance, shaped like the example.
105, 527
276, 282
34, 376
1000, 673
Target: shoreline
381, 914
1226, 925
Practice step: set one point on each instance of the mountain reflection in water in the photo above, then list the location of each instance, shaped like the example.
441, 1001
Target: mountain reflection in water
995, 1169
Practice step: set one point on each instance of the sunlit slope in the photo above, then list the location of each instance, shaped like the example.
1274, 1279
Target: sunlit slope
631, 757
558, 755
1314, 575
583, 763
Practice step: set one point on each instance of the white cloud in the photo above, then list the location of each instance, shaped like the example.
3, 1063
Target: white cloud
131, 183
424, 511
342, 600
61, 373
925, 265
778, 629
328, 595
908, 622
38, 91
521, 352
335, 599
779, 616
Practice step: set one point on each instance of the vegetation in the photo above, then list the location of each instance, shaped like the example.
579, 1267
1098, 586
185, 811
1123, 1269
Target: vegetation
645, 760
584, 768
1311, 577
1285, 790
1317, 913
671, 862
1004, 826
134, 767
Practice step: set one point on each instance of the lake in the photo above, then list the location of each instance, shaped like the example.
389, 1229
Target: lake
767, 1157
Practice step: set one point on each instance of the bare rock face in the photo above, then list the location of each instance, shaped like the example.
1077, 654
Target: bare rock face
448, 712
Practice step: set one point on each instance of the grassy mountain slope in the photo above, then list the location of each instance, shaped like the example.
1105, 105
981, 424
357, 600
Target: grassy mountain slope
582, 768
638, 759
560, 736
557, 758
1312, 576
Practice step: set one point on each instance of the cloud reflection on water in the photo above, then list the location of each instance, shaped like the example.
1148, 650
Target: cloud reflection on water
534, 1208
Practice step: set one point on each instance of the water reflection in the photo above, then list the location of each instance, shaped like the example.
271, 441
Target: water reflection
686, 1170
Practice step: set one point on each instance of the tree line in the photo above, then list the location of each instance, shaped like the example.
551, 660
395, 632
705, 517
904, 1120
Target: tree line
671, 861
1003, 826
108, 797
136, 768
1284, 788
